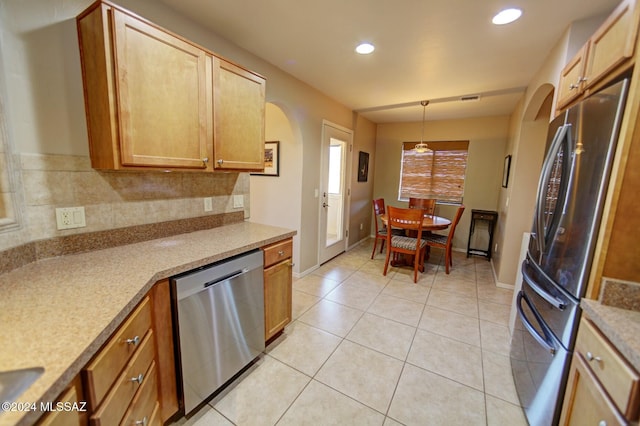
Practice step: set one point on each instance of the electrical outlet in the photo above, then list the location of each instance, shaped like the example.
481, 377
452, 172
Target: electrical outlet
70, 217
238, 201
208, 204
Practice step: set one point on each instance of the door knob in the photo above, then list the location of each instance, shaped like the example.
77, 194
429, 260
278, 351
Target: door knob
325, 205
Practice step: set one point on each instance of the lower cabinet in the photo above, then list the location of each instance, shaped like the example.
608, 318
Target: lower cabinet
72, 403
277, 287
603, 389
132, 379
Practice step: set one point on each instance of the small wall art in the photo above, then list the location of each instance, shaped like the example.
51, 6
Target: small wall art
363, 166
271, 159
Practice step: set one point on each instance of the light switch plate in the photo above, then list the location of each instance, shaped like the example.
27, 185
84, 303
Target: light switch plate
70, 217
238, 201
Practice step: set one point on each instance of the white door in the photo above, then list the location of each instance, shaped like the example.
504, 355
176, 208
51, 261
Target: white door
334, 188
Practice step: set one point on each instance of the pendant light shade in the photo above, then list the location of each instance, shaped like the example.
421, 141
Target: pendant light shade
422, 147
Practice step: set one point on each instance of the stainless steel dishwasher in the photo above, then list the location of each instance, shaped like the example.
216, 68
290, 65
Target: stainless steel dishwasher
220, 314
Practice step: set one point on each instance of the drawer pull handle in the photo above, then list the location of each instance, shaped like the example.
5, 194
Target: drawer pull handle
142, 422
133, 341
281, 253
138, 379
590, 357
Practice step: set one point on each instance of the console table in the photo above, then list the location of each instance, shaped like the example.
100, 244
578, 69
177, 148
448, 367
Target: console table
490, 218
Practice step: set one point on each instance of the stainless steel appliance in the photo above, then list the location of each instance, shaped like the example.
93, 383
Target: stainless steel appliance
571, 193
220, 314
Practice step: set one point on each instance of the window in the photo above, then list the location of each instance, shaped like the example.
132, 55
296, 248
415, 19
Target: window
335, 169
437, 174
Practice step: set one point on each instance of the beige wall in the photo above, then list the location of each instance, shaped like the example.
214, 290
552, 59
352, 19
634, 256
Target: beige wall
487, 138
362, 192
276, 200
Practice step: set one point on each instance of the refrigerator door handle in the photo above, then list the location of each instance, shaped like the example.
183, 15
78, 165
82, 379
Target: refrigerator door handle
557, 303
556, 145
544, 341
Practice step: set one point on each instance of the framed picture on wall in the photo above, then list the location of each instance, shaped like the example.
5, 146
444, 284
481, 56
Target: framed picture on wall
505, 171
271, 159
363, 166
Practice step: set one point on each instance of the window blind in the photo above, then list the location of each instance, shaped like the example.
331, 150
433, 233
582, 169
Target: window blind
437, 174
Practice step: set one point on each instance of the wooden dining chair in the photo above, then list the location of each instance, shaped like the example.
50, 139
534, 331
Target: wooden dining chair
411, 220
426, 204
445, 241
381, 229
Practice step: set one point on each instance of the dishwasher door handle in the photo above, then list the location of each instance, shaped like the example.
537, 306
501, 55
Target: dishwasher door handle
226, 277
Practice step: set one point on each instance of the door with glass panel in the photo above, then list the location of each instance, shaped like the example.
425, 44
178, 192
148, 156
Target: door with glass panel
334, 191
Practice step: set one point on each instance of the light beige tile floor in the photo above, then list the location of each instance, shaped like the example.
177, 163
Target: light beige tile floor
365, 349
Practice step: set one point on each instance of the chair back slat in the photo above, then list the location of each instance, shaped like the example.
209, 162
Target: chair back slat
410, 219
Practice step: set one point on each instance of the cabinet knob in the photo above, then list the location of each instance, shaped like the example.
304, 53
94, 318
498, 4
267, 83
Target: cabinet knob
220, 161
602, 423
142, 422
281, 253
590, 357
138, 379
205, 160
133, 341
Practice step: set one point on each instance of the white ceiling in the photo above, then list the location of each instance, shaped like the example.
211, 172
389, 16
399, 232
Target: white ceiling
438, 50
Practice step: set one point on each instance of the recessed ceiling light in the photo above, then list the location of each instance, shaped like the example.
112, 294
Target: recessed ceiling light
507, 16
365, 48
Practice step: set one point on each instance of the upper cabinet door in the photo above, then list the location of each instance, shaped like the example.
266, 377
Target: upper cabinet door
238, 122
572, 78
164, 97
613, 43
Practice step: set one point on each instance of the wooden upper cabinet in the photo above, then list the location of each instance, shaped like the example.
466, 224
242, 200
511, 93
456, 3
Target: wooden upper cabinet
164, 95
611, 48
155, 100
239, 104
613, 43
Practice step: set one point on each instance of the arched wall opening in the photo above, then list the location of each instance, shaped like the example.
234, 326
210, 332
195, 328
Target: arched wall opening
276, 200
525, 168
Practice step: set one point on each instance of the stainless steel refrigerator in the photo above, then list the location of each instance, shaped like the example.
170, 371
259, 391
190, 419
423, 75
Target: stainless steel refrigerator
571, 192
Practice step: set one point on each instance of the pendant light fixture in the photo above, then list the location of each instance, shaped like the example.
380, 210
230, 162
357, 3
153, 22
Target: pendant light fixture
422, 147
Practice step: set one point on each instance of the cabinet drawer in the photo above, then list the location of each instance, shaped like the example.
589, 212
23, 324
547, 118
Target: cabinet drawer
145, 401
277, 252
101, 373
64, 417
618, 379
483, 216
120, 396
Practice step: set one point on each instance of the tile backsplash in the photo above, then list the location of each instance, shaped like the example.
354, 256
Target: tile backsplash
115, 199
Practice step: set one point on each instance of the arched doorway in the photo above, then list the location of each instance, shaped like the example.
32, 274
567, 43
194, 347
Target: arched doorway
276, 200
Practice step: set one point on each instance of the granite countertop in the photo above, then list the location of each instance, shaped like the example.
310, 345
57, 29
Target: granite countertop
620, 326
56, 313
